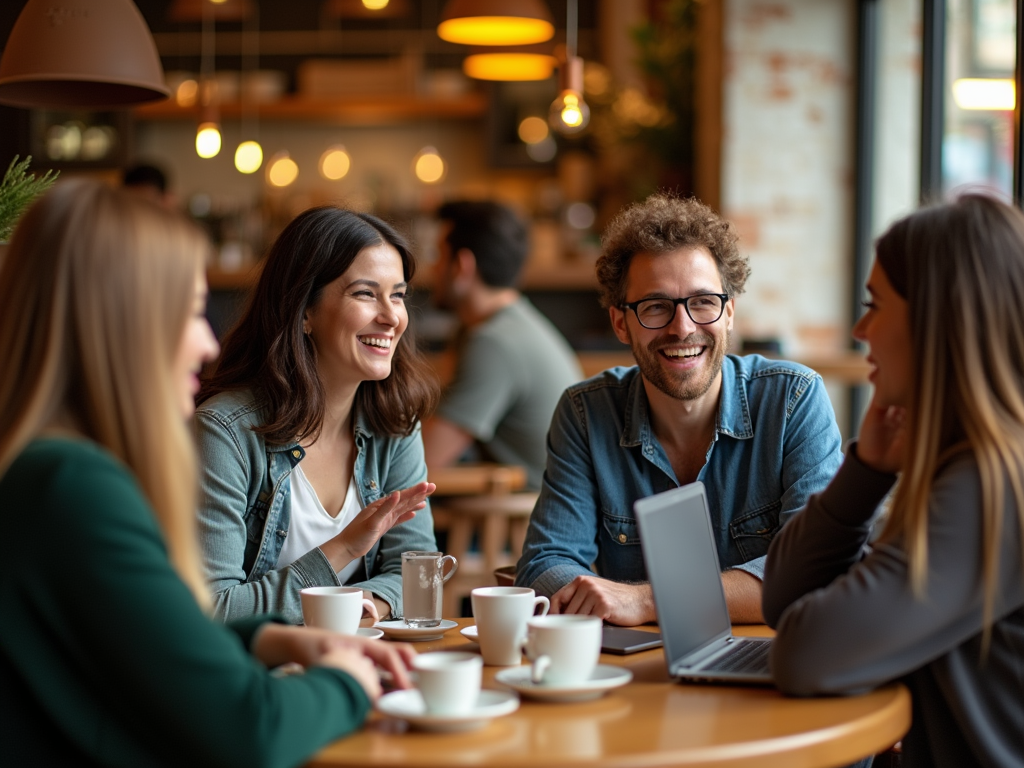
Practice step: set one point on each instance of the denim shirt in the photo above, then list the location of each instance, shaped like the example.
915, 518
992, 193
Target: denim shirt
245, 510
776, 442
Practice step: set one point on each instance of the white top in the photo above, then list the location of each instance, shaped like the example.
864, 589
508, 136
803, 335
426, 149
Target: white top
311, 526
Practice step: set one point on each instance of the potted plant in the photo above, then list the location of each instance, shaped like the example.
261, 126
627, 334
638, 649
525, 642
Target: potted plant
17, 191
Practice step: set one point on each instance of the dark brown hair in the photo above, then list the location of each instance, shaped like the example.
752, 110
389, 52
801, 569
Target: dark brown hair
268, 352
663, 223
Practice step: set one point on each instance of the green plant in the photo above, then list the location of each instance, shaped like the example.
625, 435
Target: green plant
17, 190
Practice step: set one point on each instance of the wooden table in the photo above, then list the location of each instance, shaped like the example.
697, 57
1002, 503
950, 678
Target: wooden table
650, 722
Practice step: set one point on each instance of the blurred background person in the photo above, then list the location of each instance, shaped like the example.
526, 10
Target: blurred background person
106, 654
150, 182
311, 462
513, 365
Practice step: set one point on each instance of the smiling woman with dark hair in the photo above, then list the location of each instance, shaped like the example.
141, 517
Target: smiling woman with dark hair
311, 462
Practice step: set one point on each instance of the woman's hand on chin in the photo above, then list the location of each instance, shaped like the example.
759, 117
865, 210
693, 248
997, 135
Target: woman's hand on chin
373, 522
882, 442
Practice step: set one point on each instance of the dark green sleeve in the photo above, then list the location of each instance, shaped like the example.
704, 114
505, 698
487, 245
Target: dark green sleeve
124, 660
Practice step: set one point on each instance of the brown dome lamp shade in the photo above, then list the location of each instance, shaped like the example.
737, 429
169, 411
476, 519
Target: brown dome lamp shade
496, 22
91, 54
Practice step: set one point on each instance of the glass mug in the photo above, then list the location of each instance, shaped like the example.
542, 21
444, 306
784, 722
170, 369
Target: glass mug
423, 578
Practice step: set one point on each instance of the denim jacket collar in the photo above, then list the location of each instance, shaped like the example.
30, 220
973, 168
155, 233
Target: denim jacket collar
733, 410
295, 452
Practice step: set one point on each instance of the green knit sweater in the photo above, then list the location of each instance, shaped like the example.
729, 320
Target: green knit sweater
105, 657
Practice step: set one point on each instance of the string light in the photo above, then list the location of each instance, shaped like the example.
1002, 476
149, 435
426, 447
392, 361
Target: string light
208, 140
428, 166
248, 157
335, 163
282, 170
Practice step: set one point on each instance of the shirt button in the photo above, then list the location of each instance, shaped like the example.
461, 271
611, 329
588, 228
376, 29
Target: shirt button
296, 453
373, 483
622, 538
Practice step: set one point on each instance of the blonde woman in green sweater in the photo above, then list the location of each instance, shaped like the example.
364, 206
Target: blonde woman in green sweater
107, 656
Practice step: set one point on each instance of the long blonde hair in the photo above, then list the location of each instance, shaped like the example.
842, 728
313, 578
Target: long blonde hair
95, 291
961, 268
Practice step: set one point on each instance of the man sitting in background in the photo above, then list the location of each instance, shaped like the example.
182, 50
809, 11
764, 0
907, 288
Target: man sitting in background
513, 365
759, 433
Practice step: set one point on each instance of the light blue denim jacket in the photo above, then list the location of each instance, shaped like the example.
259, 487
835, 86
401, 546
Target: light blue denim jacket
245, 509
776, 442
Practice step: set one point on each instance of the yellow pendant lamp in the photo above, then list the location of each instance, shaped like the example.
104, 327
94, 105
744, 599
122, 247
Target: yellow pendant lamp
80, 54
496, 22
510, 63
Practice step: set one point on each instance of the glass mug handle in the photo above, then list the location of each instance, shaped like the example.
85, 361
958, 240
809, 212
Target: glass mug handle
455, 567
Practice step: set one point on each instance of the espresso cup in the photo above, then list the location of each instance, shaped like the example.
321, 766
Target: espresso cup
423, 579
564, 649
448, 682
338, 609
501, 614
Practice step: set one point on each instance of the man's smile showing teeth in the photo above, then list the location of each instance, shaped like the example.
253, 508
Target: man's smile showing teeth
376, 341
683, 352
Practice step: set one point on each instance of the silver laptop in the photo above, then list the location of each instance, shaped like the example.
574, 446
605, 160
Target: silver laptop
682, 564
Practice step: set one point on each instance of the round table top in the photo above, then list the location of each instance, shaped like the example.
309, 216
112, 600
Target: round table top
652, 721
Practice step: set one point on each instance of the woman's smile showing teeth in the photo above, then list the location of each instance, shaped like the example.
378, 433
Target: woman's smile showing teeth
381, 342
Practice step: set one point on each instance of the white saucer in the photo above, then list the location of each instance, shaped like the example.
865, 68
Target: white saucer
602, 679
470, 633
408, 705
371, 632
397, 629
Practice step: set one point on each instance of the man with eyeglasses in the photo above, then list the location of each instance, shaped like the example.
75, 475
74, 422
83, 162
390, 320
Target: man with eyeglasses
759, 433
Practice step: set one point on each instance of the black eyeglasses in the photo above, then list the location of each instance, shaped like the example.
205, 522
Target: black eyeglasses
703, 309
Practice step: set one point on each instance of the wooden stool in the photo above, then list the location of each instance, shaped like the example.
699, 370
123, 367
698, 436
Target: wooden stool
500, 521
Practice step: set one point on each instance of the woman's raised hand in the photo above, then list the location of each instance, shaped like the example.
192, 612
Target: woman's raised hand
373, 522
882, 441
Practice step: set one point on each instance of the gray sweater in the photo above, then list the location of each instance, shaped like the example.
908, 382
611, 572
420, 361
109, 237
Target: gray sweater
848, 621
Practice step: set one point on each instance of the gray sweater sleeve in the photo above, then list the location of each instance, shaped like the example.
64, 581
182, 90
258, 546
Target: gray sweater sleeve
846, 616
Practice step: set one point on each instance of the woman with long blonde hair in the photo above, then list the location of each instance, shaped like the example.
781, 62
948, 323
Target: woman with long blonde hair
106, 654
938, 600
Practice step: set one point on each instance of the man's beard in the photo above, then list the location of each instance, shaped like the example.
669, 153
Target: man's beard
685, 386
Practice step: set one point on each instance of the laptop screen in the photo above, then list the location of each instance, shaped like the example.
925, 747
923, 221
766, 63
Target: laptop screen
682, 565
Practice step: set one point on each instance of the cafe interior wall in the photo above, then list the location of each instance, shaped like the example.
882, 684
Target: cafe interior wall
788, 159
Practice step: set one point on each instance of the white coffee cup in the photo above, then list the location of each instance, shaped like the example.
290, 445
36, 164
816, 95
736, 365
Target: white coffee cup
564, 649
501, 614
338, 609
448, 682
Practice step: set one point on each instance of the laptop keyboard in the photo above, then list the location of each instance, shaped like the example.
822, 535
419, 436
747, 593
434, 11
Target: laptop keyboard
742, 658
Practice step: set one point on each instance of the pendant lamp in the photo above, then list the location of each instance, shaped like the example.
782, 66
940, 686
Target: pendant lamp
80, 54
569, 113
510, 63
222, 10
496, 22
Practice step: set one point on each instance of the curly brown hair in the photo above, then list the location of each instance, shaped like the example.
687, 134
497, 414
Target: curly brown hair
662, 223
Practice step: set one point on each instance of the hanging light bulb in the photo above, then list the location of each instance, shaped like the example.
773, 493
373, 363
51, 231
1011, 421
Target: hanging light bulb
248, 157
335, 163
569, 113
428, 166
282, 170
208, 140
375, 5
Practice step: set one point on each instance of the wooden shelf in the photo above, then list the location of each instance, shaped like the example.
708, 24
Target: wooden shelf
365, 110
